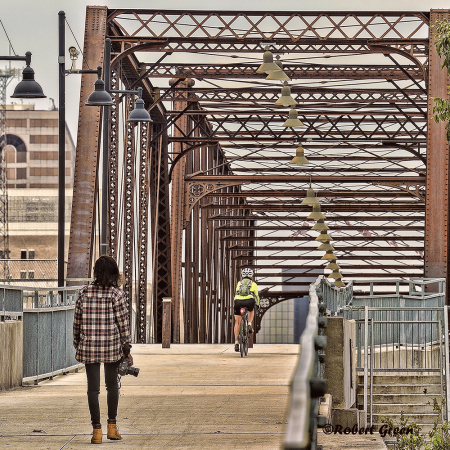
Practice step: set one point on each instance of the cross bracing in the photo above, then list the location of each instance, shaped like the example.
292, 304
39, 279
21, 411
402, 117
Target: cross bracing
362, 82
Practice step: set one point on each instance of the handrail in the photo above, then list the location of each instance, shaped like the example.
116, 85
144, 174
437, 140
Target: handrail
306, 387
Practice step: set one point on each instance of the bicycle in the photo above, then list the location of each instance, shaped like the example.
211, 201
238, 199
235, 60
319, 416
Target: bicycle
243, 337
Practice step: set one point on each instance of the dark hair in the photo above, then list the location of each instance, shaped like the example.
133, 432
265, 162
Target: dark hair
106, 272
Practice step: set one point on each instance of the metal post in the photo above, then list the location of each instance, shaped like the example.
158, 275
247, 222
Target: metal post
105, 153
366, 355
167, 322
61, 149
447, 356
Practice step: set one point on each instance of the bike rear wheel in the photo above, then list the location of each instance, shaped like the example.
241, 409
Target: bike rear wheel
242, 338
246, 342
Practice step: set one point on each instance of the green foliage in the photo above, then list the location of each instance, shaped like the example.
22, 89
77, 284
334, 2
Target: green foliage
438, 438
441, 111
440, 434
412, 440
442, 36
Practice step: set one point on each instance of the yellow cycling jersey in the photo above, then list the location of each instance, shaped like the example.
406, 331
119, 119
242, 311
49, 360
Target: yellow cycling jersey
253, 292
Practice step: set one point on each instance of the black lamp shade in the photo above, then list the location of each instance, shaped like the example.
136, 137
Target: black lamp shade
99, 97
28, 88
139, 113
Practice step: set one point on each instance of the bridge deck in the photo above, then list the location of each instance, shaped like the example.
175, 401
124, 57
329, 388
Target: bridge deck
185, 397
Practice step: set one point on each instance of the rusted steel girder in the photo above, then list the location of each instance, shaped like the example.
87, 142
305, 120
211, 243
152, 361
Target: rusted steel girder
416, 47
437, 187
398, 218
202, 26
144, 199
128, 239
295, 72
405, 179
374, 97
86, 160
160, 223
177, 214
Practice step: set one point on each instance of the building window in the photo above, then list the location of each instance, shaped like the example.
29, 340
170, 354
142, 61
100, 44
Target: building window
43, 139
21, 173
16, 122
23, 254
31, 274
21, 156
23, 274
43, 123
31, 253
43, 171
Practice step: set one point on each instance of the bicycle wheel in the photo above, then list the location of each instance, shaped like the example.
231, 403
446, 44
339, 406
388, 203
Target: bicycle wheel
242, 338
246, 340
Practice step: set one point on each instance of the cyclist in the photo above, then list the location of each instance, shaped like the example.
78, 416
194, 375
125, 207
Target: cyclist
246, 297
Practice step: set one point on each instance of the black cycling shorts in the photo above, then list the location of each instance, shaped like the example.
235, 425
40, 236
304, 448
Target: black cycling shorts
248, 303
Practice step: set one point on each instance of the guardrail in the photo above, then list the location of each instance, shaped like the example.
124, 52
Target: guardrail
11, 304
307, 385
47, 316
334, 298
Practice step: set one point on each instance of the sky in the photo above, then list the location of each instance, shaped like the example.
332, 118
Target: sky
32, 25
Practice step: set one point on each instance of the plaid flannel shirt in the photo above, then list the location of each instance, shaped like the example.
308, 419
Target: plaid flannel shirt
100, 325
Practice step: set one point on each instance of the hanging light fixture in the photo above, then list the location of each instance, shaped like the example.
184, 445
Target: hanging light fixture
333, 265
329, 255
299, 157
325, 246
293, 120
28, 87
310, 198
339, 283
139, 113
336, 275
277, 74
99, 97
316, 215
268, 65
320, 226
285, 98
323, 236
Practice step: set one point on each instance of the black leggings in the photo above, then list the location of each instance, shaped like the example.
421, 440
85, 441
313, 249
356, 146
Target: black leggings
93, 390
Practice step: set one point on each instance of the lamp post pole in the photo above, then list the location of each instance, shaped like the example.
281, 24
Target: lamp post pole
105, 153
61, 149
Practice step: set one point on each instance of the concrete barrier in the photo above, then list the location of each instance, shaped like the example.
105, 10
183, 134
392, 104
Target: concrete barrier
11, 354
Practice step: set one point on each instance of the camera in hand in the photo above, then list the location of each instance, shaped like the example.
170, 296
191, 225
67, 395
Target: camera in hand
125, 369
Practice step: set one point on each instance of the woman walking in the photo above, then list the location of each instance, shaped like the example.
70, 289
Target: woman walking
101, 334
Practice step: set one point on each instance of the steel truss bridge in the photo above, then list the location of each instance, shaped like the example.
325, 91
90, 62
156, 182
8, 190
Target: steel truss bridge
207, 188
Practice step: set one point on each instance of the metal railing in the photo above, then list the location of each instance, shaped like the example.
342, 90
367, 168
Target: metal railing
334, 298
47, 328
402, 331
307, 385
11, 304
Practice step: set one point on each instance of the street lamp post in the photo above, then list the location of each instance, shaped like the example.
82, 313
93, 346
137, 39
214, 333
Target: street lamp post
102, 98
139, 114
61, 149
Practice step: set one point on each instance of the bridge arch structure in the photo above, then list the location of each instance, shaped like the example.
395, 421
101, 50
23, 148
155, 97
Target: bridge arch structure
208, 187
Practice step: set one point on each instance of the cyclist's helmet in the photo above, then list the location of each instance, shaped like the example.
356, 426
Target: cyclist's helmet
247, 273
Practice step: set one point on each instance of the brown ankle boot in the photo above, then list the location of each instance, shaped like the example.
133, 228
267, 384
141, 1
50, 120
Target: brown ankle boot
96, 436
113, 432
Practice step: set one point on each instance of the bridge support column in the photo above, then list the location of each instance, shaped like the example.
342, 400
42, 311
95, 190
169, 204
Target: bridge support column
437, 184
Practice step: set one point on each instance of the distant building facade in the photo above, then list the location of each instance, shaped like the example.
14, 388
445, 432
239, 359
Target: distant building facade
31, 155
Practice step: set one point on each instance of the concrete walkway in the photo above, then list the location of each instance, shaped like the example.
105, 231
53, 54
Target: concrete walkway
185, 397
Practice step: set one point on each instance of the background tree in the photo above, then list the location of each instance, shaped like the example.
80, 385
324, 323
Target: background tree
441, 110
